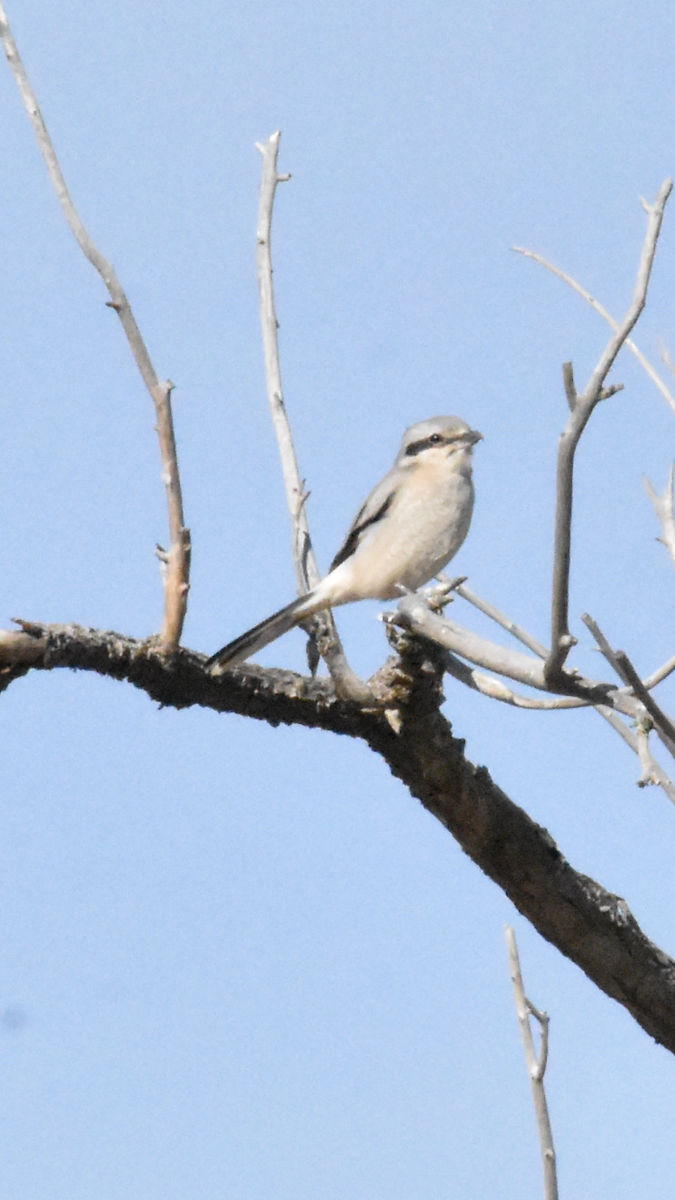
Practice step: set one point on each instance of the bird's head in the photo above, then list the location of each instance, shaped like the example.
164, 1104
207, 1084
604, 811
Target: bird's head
437, 439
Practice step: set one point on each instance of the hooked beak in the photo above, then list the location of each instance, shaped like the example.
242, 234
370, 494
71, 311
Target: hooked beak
469, 438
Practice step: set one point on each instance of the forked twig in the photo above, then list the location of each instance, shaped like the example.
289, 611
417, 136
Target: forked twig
624, 668
582, 407
496, 689
176, 576
536, 1064
304, 560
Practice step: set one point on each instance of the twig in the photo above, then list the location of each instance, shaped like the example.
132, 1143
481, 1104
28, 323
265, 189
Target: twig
662, 724
323, 629
659, 675
624, 668
177, 576
561, 641
636, 743
536, 1064
595, 304
506, 623
665, 511
496, 689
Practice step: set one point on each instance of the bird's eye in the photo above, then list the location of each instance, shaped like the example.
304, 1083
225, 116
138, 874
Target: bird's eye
435, 439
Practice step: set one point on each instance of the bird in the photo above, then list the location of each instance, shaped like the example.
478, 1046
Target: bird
410, 526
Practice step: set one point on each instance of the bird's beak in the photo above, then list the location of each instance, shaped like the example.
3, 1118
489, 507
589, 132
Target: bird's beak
471, 437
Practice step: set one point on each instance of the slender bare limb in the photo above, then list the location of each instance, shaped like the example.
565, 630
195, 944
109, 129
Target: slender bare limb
665, 511
536, 1064
595, 304
659, 675
561, 641
506, 623
639, 744
662, 723
176, 577
307, 573
624, 668
496, 689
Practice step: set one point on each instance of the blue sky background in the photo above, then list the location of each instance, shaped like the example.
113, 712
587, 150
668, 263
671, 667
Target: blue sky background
243, 962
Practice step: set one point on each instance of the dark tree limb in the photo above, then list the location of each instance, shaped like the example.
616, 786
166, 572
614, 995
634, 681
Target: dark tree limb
590, 925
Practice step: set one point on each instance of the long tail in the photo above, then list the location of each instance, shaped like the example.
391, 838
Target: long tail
260, 635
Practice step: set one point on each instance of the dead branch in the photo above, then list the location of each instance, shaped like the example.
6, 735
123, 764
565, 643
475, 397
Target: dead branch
624, 668
306, 569
536, 1064
595, 304
177, 575
583, 406
590, 925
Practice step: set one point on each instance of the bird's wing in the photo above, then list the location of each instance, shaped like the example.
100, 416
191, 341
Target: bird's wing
376, 506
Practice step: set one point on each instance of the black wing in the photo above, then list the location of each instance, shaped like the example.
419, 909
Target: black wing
361, 523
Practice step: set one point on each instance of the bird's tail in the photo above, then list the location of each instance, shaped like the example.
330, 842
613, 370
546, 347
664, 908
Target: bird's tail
260, 635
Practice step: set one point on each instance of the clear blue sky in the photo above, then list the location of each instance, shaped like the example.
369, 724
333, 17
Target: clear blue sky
242, 962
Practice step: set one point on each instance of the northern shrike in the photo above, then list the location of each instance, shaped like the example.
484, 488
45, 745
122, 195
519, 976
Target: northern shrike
410, 526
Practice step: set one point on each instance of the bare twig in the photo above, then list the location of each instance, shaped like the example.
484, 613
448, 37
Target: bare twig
665, 511
506, 623
496, 689
624, 668
659, 675
639, 745
177, 575
595, 304
561, 641
536, 1064
662, 723
306, 569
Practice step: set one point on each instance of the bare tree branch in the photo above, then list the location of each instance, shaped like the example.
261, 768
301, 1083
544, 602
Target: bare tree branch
506, 623
414, 614
176, 576
306, 569
590, 925
659, 675
624, 668
536, 1064
561, 641
595, 304
496, 689
662, 723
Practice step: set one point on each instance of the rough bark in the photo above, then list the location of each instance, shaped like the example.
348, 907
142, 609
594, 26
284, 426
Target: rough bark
590, 925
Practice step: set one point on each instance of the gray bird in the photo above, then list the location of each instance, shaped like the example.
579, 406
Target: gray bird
409, 528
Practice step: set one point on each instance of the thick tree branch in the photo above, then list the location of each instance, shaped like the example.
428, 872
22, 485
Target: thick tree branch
176, 575
591, 926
